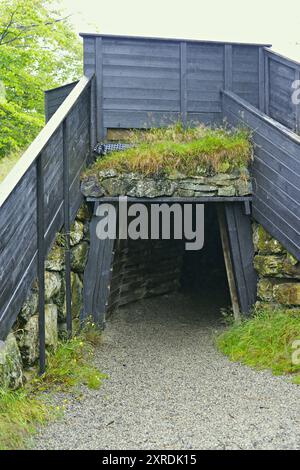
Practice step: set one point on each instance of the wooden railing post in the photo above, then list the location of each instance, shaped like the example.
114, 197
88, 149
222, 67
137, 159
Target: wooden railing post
183, 83
261, 79
228, 77
66, 195
41, 260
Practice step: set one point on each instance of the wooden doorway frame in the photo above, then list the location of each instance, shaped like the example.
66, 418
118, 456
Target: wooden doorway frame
234, 216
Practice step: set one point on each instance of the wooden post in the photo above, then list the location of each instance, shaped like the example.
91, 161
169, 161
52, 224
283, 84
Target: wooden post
228, 67
228, 264
183, 84
40, 194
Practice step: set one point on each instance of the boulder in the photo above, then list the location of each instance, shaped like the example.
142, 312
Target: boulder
227, 191
29, 308
90, 186
28, 338
56, 259
83, 213
11, 369
79, 255
147, 187
52, 284
264, 243
287, 294
276, 266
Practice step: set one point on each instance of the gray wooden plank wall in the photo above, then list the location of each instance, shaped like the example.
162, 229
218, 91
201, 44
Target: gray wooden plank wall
276, 171
281, 73
144, 82
55, 97
18, 240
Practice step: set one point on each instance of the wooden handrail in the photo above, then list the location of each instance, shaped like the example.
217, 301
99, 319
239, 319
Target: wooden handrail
267, 119
39, 143
282, 59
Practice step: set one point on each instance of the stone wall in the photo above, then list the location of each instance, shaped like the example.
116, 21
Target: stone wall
278, 271
110, 183
21, 348
144, 268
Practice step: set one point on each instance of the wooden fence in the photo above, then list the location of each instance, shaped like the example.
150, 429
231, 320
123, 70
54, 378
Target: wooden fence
145, 82
55, 97
276, 171
38, 197
280, 75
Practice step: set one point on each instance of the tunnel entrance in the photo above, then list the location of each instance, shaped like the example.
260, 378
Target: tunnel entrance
203, 272
151, 268
126, 270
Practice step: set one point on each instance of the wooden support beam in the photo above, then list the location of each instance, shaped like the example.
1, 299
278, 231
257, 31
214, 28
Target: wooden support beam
228, 264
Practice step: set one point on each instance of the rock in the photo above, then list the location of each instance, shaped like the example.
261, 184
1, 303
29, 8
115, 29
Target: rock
28, 338
222, 179
83, 213
110, 173
184, 193
29, 308
90, 187
193, 185
77, 295
76, 298
76, 232
276, 266
227, 191
264, 243
147, 187
51, 325
243, 187
11, 369
116, 186
52, 284
269, 265
56, 258
265, 289
79, 255
287, 294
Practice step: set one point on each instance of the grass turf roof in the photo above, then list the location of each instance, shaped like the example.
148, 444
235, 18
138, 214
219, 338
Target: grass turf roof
192, 151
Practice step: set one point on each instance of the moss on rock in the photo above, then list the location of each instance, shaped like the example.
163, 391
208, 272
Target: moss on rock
11, 370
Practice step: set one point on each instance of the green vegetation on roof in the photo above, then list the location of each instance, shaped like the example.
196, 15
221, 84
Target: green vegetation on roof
191, 151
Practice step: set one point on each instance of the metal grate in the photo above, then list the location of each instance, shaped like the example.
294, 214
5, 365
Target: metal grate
104, 149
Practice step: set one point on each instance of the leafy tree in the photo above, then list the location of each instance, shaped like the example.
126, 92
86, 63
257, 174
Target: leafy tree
38, 50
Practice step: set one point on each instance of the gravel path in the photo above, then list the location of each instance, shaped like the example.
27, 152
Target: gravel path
170, 389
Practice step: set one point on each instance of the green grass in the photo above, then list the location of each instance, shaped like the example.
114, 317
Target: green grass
20, 414
265, 341
24, 410
189, 151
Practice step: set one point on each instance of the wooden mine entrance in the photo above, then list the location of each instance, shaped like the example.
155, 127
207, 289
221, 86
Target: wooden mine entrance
234, 219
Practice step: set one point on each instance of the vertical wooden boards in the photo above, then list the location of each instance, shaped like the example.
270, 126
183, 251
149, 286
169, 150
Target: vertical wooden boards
242, 254
97, 274
276, 171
